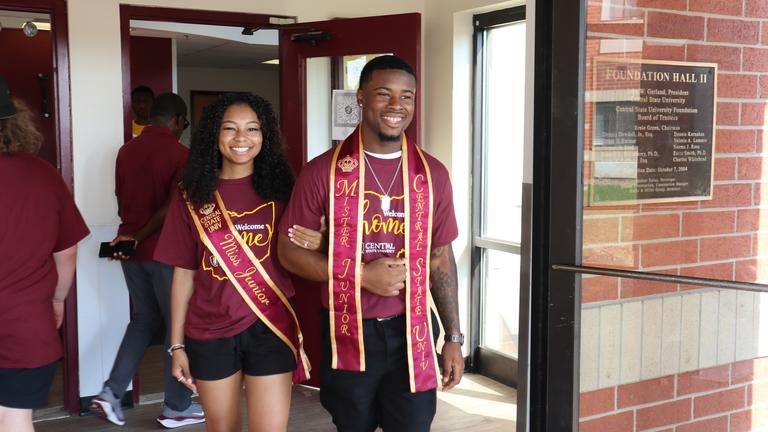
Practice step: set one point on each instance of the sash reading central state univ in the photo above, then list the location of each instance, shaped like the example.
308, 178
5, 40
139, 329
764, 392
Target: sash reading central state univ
249, 278
347, 183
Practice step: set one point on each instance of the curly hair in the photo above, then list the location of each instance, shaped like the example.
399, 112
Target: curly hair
272, 176
19, 133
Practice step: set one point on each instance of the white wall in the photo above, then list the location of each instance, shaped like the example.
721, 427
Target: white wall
264, 82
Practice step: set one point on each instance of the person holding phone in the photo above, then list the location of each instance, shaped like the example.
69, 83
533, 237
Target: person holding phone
146, 172
40, 227
232, 320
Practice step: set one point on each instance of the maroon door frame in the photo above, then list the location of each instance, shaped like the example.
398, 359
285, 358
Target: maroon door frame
57, 9
187, 16
349, 36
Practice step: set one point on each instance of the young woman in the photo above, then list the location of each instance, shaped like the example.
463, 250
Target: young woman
39, 231
231, 318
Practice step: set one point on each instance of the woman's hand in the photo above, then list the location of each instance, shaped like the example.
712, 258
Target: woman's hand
180, 369
309, 239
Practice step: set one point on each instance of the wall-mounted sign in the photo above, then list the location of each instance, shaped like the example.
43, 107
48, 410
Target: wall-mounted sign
652, 131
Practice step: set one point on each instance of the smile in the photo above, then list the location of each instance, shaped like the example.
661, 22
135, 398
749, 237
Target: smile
392, 120
241, 150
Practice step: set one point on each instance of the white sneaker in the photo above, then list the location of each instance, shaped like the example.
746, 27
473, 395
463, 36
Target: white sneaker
172, 419
107, 406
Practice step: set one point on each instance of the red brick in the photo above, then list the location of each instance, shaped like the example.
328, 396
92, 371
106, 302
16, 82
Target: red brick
708, 223
631, 288
727, 57
755, 59
674, 26
663, 4
752, 168
597, 402
703, 380
726, 247
729, 195
710, 271
753, 114
718, 7
662, 51
761, 193
734, 141
723, 401
717, 424
649, 227
601, 230
624, 256
756, 8
600, 288
725, 169
750, 370
645, 392
733, 31
727, 113
749, 420
749, 220
675, 206
669, 253
634, 27
736, 86
752, 270
663, 414
621, 422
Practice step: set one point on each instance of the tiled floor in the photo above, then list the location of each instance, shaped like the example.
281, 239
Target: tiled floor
478, 404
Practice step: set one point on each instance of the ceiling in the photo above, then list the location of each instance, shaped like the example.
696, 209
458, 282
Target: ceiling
213, 46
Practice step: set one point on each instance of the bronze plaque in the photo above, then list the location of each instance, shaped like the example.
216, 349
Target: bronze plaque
652, 131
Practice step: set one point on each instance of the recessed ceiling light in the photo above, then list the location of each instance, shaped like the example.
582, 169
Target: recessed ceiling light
273, 61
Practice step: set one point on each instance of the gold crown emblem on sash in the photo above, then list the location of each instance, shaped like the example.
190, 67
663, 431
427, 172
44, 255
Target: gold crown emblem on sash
207, 209
347, 164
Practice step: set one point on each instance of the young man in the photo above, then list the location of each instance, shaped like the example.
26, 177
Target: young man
391, 224
142, 98
146, 172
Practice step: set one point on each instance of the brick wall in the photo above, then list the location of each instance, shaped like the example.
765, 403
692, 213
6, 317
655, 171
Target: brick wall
671, 357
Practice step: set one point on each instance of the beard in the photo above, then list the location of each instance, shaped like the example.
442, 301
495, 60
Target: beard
389, 138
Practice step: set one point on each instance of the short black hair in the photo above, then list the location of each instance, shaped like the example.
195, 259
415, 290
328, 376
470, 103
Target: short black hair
143, 89
168, 105
382, 63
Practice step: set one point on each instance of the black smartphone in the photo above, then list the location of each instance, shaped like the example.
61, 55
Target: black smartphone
106, 250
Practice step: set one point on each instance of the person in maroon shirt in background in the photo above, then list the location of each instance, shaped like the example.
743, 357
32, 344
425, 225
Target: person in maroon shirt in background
40, 227
219, 343
380, 396
146, 172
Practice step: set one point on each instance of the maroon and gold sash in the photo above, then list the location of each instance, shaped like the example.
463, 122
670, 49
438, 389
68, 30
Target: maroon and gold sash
249, 278
346, 237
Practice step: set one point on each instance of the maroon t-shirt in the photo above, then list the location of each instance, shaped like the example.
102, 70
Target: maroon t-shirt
38, 218
216, 309
383, 232
146, 171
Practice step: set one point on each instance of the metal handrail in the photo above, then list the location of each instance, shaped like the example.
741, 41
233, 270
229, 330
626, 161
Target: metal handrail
660, 277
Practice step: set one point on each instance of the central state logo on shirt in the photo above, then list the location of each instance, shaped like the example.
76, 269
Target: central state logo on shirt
256, 228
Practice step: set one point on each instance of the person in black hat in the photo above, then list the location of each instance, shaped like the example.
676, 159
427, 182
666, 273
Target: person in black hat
40, 227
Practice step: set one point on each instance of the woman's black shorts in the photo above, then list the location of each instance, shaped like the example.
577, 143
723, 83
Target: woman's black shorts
26, 388
256, 351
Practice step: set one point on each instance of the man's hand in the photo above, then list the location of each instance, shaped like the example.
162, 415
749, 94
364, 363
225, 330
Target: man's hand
384, 276
123, 237
453, 365
58, 312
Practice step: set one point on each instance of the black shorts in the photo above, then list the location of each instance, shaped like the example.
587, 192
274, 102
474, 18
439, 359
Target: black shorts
256, 351
26, 388
380, 396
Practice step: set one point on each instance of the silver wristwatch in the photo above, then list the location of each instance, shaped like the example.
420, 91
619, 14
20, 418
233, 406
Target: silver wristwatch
459, 338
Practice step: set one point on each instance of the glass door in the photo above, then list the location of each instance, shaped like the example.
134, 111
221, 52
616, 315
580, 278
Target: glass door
498, 172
